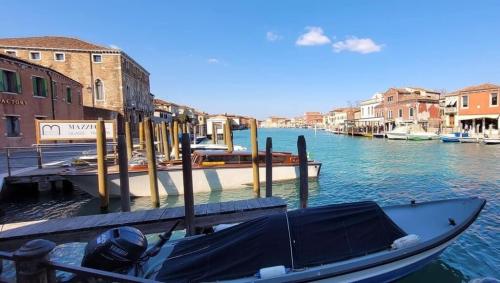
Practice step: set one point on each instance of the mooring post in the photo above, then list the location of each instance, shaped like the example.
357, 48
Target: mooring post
255, 157
8, 162
176, 140
269, 167
171, 135
214, 133
141, 135
123, 164
229, 140
39, 157
224, 133
164, 140
128, 139
187, 176
304, 185
150, 152
31, 259
102, 168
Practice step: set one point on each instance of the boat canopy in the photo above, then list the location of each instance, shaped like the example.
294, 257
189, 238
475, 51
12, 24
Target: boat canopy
295, 239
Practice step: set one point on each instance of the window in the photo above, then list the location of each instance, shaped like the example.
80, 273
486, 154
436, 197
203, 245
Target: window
69, 97
411, 112
12, 126
389, 114
35, 55
400, 113
97, 58
58, 56
99, 90
10, 81
39, 86
465, 101
11, 52
494, 99
390, 98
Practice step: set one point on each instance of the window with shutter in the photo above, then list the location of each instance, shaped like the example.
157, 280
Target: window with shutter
39, 87
69, 97
10, 82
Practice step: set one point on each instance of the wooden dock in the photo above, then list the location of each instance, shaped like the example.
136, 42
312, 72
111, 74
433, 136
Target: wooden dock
83, 228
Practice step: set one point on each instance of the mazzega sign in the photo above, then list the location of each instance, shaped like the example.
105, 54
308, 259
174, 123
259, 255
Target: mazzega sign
50, 130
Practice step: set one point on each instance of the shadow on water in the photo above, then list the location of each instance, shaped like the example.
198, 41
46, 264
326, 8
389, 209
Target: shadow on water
436, 271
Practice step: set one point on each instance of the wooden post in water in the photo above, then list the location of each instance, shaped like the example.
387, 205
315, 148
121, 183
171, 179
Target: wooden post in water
141, 135
123, 164
229, 136
176, 140
164, 141
269, 167
128, 139
187, 177
171, 133
304, 185
255, 157
214, 133
157, 137
150, 152
102, 168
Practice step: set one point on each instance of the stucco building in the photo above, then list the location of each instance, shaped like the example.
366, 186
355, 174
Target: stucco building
28, 92
479, 108
112, 81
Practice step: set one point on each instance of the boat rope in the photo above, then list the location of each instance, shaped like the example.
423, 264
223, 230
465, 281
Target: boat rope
289, 239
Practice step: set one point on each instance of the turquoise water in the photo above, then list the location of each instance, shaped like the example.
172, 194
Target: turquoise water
354, 169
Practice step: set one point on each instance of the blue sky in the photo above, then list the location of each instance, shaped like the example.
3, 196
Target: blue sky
264, 58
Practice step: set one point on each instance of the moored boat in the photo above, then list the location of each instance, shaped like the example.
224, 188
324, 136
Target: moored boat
469, 139
491, 140
399, 133
354, 242
212, 170
422, 136
454, 137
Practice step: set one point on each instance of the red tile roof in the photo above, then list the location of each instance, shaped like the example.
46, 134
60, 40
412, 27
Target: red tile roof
52, 42
479, 87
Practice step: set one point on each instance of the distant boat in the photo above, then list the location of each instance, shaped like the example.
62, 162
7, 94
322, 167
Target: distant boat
469, 139
454, 137
491, 140
212, 170
410, 131
399, 133
421, 136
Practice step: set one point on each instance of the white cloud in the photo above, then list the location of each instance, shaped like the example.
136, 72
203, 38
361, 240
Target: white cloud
213, 61
272, 36
359, 45
314, 36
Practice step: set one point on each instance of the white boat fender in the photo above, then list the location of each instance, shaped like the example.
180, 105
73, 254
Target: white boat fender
406, 241
273, 271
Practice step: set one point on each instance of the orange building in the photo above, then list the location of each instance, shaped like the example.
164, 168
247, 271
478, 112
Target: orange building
479, 108
313, 118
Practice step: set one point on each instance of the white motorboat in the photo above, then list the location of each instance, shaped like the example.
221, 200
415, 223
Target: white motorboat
491, 140
399, 133
212, 170
421, 136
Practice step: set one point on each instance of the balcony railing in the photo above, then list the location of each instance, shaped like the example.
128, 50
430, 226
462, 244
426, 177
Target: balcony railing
448, 110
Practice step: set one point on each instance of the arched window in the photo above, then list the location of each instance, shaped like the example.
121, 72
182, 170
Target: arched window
99, 90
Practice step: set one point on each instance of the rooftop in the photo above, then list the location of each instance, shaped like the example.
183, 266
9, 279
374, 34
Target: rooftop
478, 87
52, 42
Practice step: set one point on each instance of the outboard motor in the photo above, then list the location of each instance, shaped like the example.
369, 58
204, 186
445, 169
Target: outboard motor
115, 250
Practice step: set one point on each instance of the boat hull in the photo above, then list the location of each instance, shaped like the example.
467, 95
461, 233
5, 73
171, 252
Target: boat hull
491, 141
170, 181
397, 136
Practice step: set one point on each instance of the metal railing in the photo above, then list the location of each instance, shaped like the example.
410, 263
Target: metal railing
38, 151
34, 266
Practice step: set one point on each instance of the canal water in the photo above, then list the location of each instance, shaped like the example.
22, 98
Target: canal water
354, 169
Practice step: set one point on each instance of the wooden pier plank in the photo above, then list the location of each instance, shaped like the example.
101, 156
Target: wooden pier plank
83, 228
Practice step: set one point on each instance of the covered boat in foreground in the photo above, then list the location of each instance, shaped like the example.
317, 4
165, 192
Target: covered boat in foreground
339, 243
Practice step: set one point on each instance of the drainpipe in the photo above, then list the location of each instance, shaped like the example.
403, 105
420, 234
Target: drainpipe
92, 79
52, 96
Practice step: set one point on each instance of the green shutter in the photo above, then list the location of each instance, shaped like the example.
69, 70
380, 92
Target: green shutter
44, 90
2, 81
35, 86
18, 83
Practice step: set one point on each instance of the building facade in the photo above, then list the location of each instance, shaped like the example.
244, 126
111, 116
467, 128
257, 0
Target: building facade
112, 80
369, 115
29, 92
410, 105
313, 118
478, 108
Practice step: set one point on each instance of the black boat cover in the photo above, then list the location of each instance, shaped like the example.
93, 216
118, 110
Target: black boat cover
296, 239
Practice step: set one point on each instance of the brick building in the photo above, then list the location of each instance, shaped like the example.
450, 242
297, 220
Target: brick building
112, 81
478, 108
313, 118
28, 92
410, 105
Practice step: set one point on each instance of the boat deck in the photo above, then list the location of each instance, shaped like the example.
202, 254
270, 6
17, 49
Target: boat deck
83, 228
